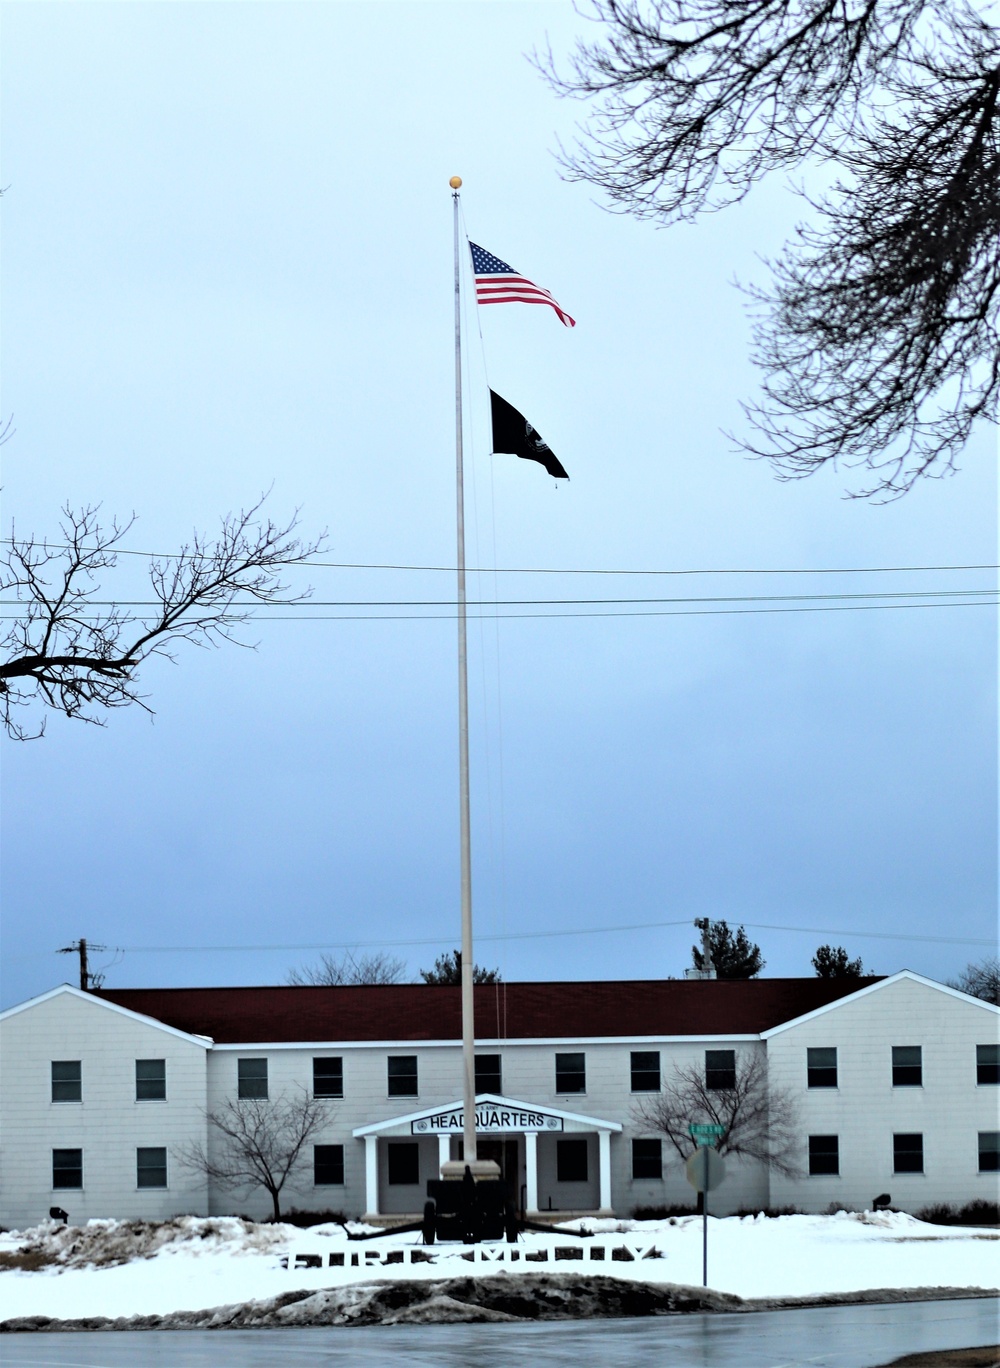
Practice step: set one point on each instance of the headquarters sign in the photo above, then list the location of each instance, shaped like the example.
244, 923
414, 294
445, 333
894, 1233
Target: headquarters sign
490, 1118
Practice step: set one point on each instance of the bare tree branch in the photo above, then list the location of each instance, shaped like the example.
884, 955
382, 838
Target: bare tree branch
377, 967
760, 1121
260, 1143
878, 336
69, 651
980, 979
698, 99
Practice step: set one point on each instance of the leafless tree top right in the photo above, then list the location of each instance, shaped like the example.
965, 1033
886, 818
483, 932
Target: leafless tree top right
877, 335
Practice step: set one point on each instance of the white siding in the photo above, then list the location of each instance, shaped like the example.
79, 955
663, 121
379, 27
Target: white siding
865, 1110
108, 1124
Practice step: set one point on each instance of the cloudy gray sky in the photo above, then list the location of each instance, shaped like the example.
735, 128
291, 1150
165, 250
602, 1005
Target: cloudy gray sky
227, 266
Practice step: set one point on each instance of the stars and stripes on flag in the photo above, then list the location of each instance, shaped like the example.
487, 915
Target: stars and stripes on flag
498, 283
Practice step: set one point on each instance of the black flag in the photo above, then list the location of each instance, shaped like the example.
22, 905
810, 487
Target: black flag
512, 432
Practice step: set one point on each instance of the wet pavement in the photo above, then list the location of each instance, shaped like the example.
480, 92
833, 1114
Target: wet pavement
819, 1337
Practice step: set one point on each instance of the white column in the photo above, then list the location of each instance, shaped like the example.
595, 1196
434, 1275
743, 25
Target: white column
604, 1143
371, 1174
444, 1150
531, 1170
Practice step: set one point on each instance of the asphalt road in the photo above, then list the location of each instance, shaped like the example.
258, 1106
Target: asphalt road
820, 1337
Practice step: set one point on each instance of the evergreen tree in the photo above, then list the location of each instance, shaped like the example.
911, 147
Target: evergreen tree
447, 972
830, 961
732, 956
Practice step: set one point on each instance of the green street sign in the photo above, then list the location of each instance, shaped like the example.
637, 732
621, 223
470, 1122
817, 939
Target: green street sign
705, 1134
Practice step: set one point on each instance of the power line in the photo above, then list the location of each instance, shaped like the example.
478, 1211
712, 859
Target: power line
511, 617
542, 603
544, 935
570, 570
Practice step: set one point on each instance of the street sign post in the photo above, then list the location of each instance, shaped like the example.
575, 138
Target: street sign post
705, 1170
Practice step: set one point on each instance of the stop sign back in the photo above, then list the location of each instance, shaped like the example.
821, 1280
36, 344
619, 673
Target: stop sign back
705, 1169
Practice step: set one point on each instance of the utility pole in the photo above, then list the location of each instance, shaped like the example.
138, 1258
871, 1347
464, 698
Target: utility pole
87, 980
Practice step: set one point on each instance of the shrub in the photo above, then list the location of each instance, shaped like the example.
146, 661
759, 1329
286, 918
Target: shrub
770, 1211
974, 1213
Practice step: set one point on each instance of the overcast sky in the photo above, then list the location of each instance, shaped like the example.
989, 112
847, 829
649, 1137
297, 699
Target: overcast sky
227, 266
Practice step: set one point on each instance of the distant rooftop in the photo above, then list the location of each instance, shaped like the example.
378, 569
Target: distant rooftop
516, 1011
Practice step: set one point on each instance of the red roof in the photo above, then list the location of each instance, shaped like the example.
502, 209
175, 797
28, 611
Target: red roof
648, 1007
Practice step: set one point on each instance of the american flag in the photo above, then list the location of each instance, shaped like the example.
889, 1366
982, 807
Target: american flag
498, 283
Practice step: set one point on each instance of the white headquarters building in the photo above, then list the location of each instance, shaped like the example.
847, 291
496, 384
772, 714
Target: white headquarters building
894, 1083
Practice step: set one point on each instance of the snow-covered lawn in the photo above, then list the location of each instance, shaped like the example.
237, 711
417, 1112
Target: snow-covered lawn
192, 1263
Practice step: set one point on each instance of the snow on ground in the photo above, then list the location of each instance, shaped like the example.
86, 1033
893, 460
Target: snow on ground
121, 1268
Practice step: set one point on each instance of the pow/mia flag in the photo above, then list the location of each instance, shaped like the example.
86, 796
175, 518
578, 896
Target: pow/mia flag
512, 432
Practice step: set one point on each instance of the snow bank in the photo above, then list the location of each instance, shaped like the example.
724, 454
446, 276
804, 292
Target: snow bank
126, 1268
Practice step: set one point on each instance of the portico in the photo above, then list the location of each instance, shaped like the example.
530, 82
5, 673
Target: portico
554, 1160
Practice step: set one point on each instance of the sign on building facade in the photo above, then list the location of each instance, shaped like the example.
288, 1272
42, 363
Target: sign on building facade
489, 1119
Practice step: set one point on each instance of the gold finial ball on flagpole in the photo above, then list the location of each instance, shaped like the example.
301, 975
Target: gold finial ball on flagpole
455, 182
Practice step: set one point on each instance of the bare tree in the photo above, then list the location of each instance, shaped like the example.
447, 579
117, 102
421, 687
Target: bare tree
878, 339
760, 1121
260, 1143
71, 651
980, 979
377, 967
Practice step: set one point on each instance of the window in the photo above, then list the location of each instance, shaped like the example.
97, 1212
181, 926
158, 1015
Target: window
488, 1074
571, 1161
404, 1163
402, 1076
908, 1153
252, 1077
328, 1165
989, 1151
150, 1080
646, 1071
821, 1067
328, 1078
720, 1069
67, 1168
647, 1158
66, 1081
988, 1063
151, 1167
571, 1073
907, 1066
824, 1154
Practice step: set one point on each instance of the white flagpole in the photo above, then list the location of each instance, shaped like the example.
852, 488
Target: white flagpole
468, 1006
